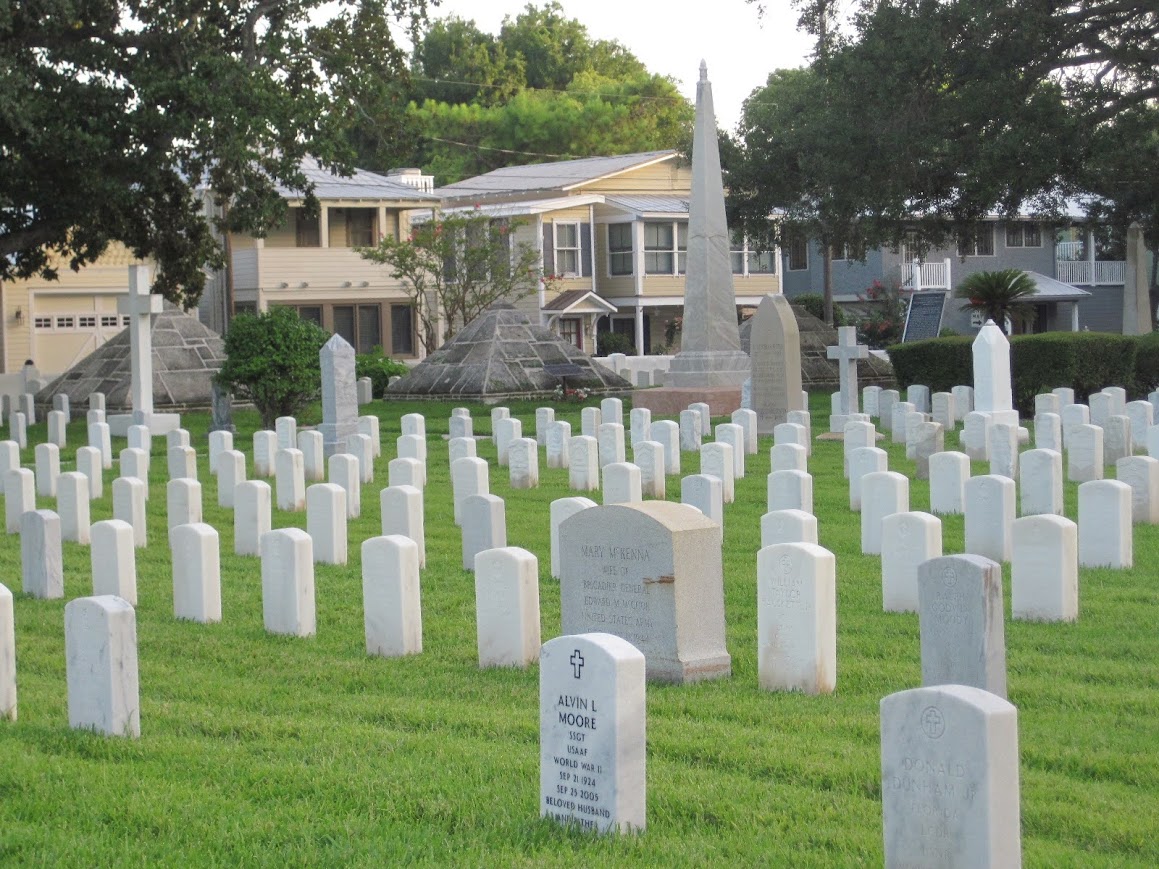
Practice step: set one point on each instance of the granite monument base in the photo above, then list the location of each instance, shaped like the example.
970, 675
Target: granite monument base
690, 369
670, 400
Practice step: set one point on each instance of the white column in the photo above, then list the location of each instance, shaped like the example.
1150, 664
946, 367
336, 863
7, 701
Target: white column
323, 226
592, 242
641, 350
539, 247
1074, 316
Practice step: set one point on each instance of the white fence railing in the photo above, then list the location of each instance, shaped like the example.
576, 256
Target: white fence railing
927, 276
1084, 272
1069, 250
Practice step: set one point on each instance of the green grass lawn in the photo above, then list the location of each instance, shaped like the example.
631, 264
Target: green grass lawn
264, 750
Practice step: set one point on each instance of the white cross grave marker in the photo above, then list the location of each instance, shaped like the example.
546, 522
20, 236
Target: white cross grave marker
847, 352
141, 305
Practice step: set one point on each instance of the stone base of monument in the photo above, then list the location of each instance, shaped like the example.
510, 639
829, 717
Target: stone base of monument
670, 400
159, 423
690, 369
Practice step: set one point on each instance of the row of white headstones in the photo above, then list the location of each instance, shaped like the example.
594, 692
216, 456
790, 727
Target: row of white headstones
337, 507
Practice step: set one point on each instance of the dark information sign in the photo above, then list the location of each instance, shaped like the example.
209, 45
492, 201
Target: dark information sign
923, 318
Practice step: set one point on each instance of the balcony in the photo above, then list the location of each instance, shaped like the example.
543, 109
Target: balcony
1090, 273
927, 276
313, 268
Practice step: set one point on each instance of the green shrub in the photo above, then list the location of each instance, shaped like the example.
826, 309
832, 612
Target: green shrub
379, 369
939, 363
1146, 365
272, 360
814, 303
614, 342
1084, 361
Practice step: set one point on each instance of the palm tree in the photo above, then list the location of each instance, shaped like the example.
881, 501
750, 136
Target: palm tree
999, 296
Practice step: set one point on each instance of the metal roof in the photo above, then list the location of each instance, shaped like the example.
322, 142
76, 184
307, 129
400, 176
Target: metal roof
1047, 289
643, 204
361, 185
562, 175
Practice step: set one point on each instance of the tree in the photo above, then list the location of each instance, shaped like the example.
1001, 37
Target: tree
540, 89
804, 157
113, 112
455, 266
272, 360
999, 296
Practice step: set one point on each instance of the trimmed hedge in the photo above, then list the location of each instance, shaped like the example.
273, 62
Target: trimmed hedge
939, 363
1084, 361
1147, 364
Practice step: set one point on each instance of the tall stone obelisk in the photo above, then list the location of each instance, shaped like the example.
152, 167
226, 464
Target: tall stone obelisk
710, 353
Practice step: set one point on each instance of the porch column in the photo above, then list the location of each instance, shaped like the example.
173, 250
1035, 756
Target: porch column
641, 350
324, 226
1074, 316
592, 242
916, 275
539, 249
381, 223
1091, 256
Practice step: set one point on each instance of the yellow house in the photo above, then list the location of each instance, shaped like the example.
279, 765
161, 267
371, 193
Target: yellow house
309, 263
55, 324
613, 233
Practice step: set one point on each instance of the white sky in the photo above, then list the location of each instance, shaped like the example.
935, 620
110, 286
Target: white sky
671, 37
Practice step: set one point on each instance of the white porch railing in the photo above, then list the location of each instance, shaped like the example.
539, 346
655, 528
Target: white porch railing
1091, 274
1068, 251
928, 276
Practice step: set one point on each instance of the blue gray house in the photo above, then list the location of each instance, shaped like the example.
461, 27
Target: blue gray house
1080, 286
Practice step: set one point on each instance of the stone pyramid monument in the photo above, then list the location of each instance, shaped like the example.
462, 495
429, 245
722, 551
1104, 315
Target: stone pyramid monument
818, 372
502, 354
186, 355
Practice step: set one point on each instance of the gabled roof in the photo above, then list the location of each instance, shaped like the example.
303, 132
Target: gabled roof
562, 176
360, 185
577, 300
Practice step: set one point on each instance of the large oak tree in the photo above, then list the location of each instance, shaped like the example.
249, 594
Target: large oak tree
112, 114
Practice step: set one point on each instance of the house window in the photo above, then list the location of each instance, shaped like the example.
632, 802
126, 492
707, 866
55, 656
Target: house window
65, 322
1023, 235
977, 241
570, 331
307, 229
798, 253
500, 231
619, 249
402, 330
87, 322
665, 248
360, 227
42, 322
110, 321
567, 249
746, 259
313, 313
360, 325
840, 252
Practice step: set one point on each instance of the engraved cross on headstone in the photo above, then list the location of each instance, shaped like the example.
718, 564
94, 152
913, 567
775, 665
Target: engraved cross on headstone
847, 352
141, 306
577, 662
